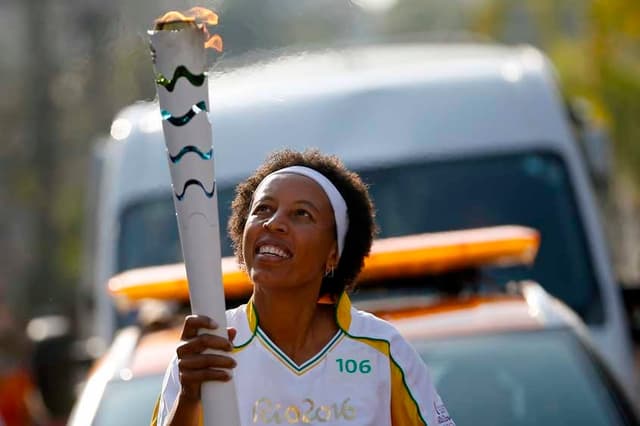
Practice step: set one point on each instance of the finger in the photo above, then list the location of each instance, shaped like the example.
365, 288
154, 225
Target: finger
202, 342
206, 361
231, 332
191, 378
193, 323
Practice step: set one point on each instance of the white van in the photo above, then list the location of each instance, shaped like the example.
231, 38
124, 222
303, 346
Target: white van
447, 136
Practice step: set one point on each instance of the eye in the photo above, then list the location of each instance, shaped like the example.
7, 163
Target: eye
261, 208
302, 213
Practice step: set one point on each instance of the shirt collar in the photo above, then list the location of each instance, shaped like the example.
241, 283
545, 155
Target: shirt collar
342, 309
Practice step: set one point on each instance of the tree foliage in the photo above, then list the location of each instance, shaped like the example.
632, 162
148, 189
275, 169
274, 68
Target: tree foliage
89, 59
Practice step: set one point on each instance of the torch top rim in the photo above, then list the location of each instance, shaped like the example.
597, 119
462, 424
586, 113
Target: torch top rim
175, 24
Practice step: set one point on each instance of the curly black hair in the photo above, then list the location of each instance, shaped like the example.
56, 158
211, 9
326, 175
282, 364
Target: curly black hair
360, 210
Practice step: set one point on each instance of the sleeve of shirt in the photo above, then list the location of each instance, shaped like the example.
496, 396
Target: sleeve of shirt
168, 394
414, 399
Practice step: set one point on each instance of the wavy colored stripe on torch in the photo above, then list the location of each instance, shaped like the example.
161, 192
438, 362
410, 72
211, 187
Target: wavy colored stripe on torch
184, 119
182, 71
190, 148
198, 183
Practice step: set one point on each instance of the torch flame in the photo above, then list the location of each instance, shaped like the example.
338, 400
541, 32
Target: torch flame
214, 42
204, 15
173, 16
197, 16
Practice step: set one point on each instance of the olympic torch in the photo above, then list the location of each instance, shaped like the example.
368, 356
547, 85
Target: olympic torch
178, 43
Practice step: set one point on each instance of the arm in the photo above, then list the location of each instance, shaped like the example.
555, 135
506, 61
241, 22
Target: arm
179, 402
414, 399
185, 412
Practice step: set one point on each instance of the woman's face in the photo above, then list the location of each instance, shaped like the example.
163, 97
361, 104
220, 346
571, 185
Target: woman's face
289, 237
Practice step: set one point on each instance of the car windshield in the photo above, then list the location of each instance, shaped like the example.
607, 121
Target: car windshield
521, 379
128, 403
530, 189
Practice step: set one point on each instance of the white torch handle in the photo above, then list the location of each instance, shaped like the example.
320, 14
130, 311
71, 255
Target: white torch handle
184, 103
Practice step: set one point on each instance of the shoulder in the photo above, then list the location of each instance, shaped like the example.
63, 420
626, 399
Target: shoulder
236, 315
365, 324
244, 320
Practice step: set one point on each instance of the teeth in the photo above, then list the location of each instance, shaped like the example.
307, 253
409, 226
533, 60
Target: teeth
273, 251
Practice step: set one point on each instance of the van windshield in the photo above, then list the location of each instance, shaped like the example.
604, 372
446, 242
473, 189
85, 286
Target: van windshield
530, 189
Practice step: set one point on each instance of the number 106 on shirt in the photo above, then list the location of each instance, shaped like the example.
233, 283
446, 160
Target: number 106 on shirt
352, 366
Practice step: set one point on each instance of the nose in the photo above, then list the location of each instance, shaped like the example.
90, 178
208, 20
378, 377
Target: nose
275, 223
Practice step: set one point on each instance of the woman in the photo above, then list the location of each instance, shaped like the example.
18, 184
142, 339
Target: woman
301, 227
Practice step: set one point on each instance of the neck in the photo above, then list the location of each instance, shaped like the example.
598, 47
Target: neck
295, 322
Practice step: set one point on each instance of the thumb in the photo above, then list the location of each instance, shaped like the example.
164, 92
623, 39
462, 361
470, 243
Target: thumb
231, 333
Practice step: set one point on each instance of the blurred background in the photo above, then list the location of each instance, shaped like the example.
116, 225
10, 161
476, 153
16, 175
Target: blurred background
69, 66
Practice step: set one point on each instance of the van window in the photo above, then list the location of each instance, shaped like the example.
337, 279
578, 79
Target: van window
530, 189
149, 231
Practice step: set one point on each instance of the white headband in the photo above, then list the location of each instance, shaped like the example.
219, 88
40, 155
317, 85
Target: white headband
337, 202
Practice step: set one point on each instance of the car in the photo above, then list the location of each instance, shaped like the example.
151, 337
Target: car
500, 353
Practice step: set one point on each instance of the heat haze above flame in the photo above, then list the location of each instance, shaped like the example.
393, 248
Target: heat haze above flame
198, 17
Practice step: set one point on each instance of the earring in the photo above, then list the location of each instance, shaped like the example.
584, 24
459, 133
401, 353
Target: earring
328, 273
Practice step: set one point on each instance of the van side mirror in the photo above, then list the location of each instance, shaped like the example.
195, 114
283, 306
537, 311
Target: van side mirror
593, 140
631, 298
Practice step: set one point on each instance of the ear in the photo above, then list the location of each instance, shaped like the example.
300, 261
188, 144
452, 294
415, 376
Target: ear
332, 258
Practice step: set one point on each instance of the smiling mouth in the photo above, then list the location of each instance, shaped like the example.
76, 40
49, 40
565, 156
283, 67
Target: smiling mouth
276, 252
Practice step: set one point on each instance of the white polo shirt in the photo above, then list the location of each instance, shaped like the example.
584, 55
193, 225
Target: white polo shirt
366, 375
